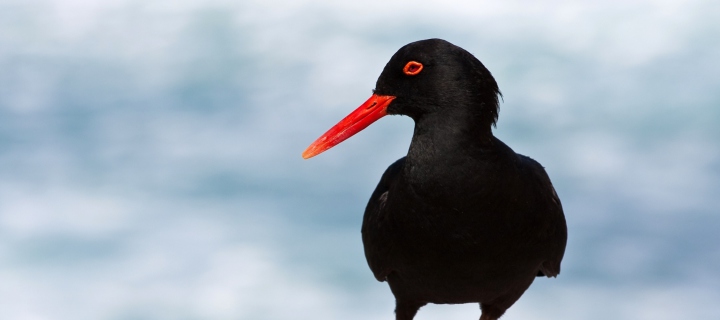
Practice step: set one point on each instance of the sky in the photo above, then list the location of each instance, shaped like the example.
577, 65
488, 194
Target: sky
150, 153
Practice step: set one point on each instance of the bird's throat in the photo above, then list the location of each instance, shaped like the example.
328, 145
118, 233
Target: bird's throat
443, 146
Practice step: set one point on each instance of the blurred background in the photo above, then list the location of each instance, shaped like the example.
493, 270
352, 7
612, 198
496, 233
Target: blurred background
150, 153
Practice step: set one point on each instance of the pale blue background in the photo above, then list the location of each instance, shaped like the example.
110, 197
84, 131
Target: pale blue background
150, 153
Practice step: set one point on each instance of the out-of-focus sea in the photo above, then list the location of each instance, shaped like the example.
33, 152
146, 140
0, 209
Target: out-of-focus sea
150, 153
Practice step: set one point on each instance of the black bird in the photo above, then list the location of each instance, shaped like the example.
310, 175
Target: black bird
462, 218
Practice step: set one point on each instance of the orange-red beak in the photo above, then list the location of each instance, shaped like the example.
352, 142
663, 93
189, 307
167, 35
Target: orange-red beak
369, 112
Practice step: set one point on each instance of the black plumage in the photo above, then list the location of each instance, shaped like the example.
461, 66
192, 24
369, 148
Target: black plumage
462, 218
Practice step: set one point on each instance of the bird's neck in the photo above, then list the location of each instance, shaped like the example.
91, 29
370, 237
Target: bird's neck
442, 147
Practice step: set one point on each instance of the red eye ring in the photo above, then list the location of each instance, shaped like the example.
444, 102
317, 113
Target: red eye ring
413, 68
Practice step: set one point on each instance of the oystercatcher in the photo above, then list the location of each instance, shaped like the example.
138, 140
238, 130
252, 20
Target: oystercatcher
462, 218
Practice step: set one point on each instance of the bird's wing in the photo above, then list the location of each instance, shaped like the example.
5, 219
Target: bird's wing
556, 230
374, 230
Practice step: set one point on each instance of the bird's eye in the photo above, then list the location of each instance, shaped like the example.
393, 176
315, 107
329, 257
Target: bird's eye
413, 68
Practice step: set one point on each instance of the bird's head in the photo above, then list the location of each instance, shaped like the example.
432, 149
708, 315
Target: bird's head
435, 76
427, 78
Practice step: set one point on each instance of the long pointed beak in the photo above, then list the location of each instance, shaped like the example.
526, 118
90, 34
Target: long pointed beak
369, 112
